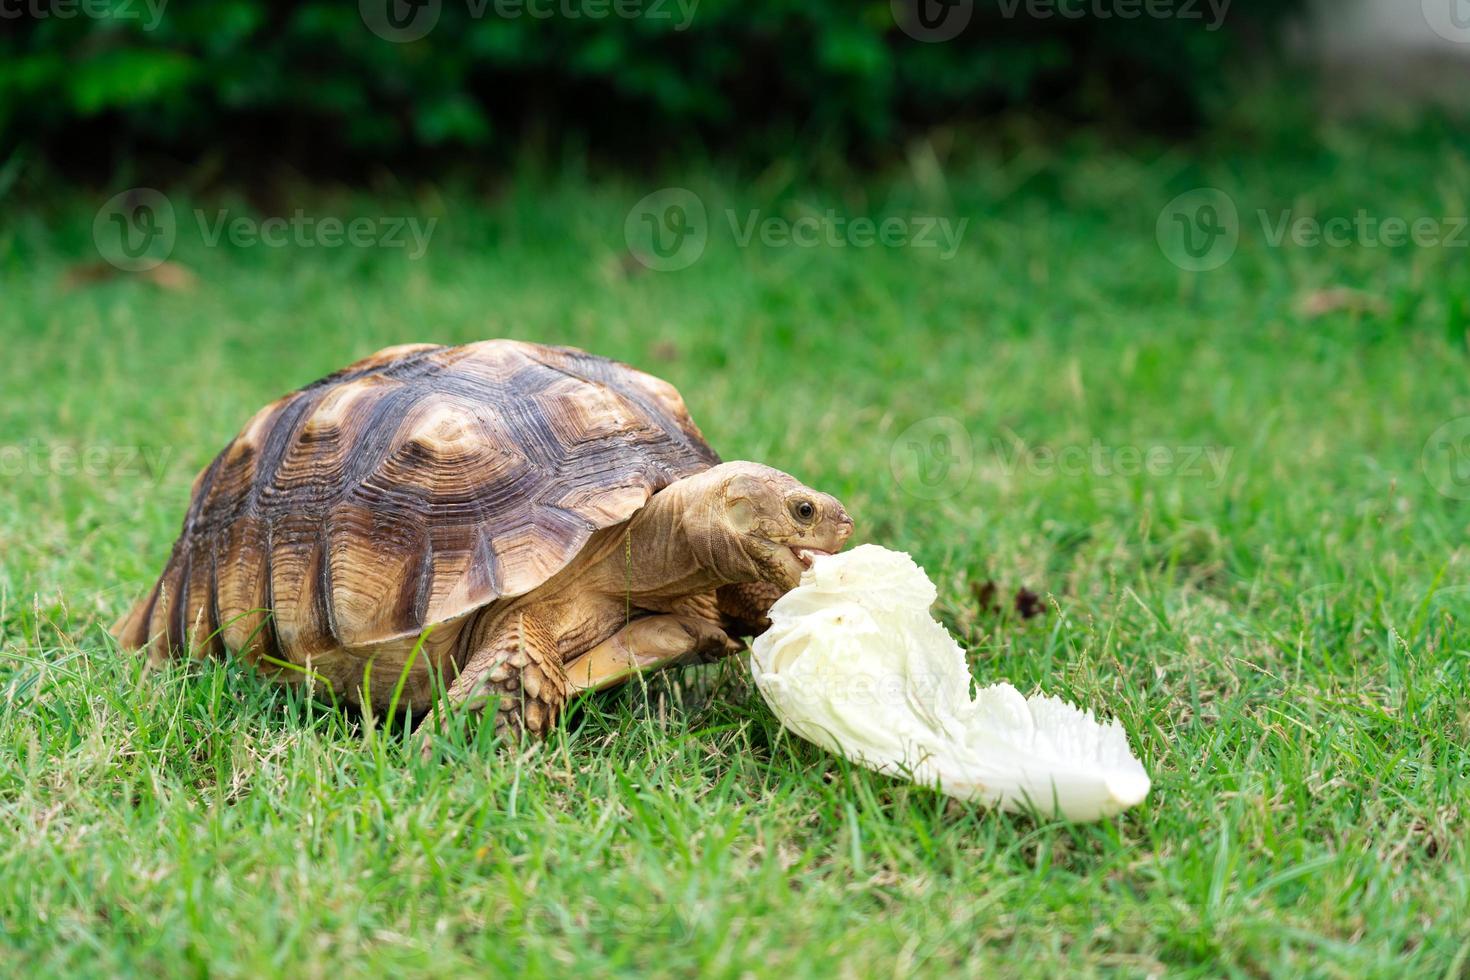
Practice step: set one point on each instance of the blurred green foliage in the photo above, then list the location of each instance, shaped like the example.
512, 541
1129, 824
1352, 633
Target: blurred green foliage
316, 81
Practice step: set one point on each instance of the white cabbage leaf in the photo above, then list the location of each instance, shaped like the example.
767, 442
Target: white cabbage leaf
854, 663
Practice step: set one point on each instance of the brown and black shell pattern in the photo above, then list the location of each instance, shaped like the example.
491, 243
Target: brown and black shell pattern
407, 490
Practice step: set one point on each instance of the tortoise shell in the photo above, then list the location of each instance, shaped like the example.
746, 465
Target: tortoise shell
408, 489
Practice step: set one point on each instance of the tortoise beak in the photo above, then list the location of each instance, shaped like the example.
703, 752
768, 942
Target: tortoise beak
838, 528
826, 539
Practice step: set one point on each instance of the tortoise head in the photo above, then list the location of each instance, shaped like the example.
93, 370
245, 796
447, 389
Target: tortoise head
757, 521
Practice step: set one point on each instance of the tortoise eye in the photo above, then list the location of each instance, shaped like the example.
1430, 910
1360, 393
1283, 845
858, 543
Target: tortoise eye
804, 510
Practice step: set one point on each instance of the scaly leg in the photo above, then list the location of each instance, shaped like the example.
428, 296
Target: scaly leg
516, 662
650, 642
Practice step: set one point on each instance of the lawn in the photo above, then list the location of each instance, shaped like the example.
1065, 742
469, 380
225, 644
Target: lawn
1225, 485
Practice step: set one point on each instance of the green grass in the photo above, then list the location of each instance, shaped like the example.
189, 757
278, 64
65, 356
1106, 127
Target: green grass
1286, 644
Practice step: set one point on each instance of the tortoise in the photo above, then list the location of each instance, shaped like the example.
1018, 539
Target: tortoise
526, 521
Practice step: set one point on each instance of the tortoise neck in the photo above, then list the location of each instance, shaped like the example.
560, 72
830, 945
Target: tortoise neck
671, 546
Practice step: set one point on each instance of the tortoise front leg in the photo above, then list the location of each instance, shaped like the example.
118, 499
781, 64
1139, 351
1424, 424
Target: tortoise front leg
746, 607
650, 642
516, 662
